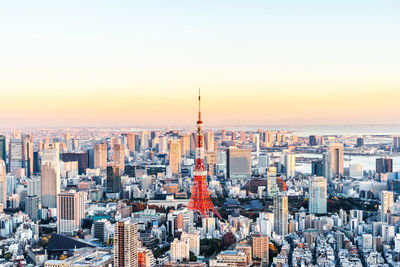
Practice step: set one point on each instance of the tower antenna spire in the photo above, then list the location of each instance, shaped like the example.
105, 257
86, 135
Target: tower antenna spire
199, 107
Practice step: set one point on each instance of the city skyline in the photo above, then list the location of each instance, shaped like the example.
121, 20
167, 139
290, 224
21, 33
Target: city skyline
134, 63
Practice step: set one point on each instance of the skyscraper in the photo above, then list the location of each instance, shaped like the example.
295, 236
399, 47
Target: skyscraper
70, 211
27, 142
209, 138
131, 142
290, 165
327, 165
272, 187
238, 163
144, 140
3, 184
396, 142
281, 215
113, 180
119, 157
185, 145
386, 204
125, 244
16, 158
175, 155
384, 165
100, 156
317, 195
50, 185
337, 157
3, 144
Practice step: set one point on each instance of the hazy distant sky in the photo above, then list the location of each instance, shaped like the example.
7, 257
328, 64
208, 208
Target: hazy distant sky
140, 62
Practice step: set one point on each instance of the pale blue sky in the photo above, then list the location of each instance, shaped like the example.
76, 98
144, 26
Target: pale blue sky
50, 50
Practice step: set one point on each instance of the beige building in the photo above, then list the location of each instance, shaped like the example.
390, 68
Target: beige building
126, 244
337, 158
231, 258
100, 156
179, 250
175, 155
261, 248
70, 211
194, 242
119, 157
50, 185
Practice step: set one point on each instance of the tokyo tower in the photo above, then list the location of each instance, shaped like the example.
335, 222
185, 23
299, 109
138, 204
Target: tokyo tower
200, 200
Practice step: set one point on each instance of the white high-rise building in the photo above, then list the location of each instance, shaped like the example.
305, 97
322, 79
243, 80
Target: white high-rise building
50, 184
290, 165
281, 215
34, 185
194, 242
70, 211
367, 241
179, 250
317, 195
386, 204
3, 184
126, 244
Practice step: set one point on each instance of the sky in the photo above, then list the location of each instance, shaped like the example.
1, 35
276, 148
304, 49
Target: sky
125, 63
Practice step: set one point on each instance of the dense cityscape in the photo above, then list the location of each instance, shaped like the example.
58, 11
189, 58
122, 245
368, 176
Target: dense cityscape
194, 197
287, 156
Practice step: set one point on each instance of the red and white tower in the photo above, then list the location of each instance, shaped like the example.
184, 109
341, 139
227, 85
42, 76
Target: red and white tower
200, 200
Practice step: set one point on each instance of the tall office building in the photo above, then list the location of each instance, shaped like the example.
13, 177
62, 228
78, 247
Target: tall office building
50, 185
3, 145
3, 184
223, 135
337, 158
317, 167
360, 141
209, 138
281, 215
312, 140
131, 142
34, 185
175, 155
327, 166
290, 165
185, 145
113, 180
125, 244
100, 156
32, 207
163, 144
387, 202
144, 140
396, 142
260, 247
317, 195
272, 187
119, 157
16, 154
384, 165
70, 211
238, 163
27, 142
